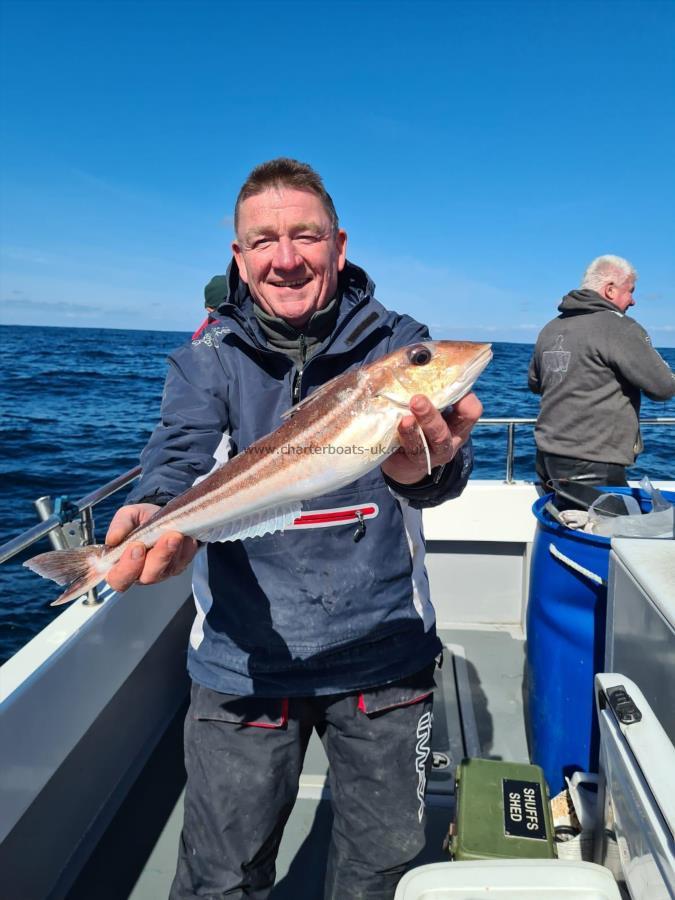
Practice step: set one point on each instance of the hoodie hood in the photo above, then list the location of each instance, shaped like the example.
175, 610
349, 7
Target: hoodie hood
584, 301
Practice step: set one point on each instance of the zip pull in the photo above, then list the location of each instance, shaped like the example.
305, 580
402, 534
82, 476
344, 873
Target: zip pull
295, 396
298, 375
360, 528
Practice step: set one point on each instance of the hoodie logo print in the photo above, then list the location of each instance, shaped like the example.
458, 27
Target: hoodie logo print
555, 362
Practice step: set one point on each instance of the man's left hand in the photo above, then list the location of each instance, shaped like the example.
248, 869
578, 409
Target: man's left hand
444, 436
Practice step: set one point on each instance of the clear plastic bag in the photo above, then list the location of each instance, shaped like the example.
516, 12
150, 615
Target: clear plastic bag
659, 502
574, 813
659, 523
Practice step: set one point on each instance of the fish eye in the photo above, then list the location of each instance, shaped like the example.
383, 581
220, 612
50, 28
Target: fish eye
420, 355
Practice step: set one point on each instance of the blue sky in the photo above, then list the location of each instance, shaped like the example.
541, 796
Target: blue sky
479, 153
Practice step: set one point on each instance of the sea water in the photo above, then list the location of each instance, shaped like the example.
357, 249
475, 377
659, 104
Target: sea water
78, 404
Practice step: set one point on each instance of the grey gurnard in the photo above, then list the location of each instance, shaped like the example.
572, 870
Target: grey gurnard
261, 489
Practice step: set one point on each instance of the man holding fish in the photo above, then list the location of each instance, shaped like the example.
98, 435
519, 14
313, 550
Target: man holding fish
313, 608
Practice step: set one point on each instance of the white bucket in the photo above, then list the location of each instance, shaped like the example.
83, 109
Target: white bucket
509, 879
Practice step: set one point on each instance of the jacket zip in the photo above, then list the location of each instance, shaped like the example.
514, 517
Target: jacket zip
297, 380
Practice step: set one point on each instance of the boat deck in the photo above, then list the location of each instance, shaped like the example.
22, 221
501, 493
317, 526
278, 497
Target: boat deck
478, 711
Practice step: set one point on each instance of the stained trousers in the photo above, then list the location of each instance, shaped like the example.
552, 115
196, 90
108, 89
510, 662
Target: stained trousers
244, 757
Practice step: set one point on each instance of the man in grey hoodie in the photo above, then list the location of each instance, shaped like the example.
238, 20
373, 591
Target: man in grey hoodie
589, 366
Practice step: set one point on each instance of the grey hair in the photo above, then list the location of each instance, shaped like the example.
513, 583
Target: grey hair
605, 269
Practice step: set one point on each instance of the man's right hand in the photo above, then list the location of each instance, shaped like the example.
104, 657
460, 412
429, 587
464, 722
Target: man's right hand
172, 553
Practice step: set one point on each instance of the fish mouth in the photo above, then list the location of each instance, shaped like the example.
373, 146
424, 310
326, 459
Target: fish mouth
463, 385
481, 361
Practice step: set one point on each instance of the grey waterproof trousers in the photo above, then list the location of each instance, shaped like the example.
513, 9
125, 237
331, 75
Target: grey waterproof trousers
244, 756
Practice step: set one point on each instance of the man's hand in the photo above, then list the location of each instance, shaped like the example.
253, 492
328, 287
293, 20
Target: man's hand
444, 436
172, 553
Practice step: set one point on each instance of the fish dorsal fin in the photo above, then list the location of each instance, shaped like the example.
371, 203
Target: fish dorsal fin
348, 381
267, 521
303, 404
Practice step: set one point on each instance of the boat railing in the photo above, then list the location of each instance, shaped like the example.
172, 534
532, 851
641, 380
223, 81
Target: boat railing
59, 514
510, 424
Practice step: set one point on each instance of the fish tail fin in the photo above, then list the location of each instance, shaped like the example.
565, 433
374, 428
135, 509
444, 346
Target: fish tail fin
77, 568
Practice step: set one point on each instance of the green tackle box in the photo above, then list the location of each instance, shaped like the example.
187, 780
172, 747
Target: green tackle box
502, 812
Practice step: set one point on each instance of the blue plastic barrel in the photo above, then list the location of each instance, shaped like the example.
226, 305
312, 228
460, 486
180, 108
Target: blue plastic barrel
566, 642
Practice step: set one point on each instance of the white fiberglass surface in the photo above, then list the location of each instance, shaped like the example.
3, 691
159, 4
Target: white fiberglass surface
510, 879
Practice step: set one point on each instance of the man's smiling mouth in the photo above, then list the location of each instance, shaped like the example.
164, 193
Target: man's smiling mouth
297, 282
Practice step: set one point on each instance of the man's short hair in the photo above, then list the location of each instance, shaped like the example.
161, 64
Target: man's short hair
607, 268
288, 173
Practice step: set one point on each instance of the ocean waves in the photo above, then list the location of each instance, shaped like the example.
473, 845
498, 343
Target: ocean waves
78, 405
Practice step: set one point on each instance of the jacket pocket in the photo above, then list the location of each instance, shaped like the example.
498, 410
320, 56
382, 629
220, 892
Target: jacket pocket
409, 690
257, 712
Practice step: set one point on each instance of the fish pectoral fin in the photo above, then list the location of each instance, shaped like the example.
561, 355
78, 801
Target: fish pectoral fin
397, 401
267, 521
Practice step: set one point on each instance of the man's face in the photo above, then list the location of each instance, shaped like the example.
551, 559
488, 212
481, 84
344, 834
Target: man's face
620, 293
288, 254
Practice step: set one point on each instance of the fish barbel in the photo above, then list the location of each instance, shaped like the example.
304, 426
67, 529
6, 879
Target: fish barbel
261, 489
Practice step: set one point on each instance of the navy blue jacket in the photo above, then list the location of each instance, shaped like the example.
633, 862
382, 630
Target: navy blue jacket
309, 610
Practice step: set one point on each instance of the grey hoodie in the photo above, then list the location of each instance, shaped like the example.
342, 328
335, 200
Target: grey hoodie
589, 365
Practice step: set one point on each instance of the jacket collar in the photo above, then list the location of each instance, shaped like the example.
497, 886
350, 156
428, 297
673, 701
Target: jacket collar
358, 315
